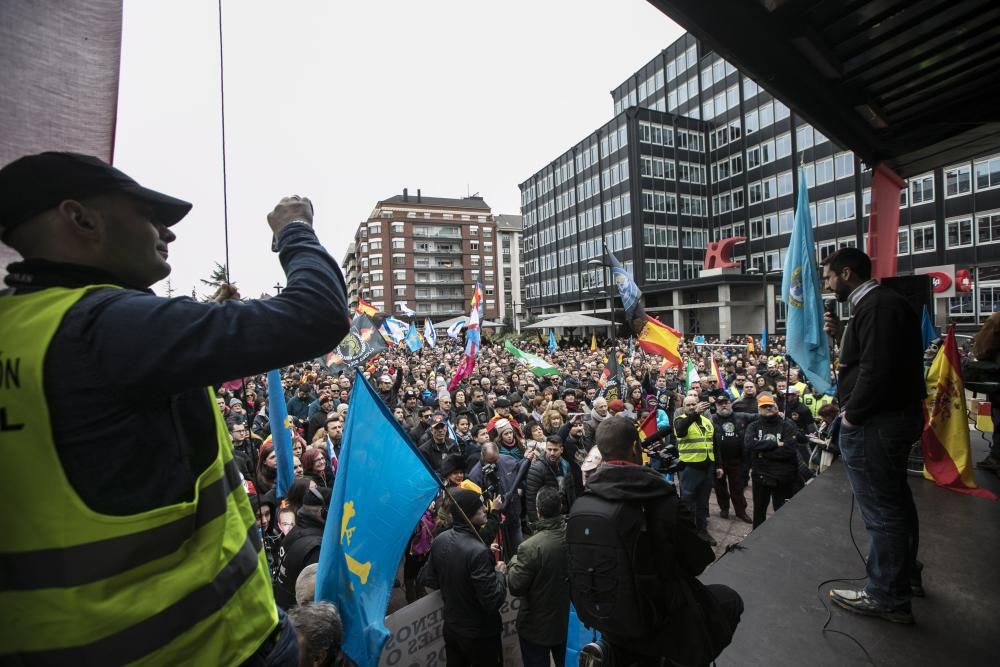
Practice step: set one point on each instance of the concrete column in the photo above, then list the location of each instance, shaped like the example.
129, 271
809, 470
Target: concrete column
678, 319
725, 314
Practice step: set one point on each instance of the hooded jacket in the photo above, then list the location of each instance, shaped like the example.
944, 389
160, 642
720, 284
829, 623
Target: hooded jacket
300, 548
695, 629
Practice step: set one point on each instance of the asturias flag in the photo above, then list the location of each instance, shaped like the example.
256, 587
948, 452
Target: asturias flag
927, 329
553, 346
412, 339
281, 436
946, 447
806, 341
657, 338
383, 486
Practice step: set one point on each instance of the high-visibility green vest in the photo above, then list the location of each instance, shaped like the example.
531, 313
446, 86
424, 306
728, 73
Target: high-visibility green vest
814, 403
695, 446
182, 584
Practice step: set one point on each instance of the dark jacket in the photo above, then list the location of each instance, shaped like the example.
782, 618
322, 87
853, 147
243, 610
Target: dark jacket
504, 478
300, 548
538, 575
694, 624
800, 416
122, 377
461, 567
541, 473
435, 453
881, 358
728, 437
771, 442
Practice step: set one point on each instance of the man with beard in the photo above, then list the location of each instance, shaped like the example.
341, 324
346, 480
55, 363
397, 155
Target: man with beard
479, 407
880, 390
730, 458
695, 436
438, 445
417, 432
549, 471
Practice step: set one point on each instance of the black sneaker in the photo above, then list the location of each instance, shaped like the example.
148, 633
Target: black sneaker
724, 514
703, 534
859, 602
989, 463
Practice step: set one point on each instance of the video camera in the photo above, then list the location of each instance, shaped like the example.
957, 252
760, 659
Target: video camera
667, 455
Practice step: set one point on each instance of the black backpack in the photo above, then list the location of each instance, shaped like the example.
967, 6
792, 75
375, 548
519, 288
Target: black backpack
614, 584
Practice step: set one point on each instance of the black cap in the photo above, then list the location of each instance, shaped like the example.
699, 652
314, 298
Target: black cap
503, 402
451, 463
36, 183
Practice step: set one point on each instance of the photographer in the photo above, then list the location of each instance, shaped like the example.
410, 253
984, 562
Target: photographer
647, 603
502, 475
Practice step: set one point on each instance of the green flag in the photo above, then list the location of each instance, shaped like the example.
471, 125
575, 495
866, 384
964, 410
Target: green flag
535, 364
692, 375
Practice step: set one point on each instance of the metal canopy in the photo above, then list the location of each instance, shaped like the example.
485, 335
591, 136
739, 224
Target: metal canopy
912, 83
569, 320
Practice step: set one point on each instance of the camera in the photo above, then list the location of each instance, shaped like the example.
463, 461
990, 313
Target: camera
667, 456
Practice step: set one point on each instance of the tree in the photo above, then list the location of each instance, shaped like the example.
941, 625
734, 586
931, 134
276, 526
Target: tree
216, 279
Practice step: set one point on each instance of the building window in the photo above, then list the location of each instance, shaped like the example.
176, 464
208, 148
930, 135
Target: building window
376, 276
375, 228
903, 242
988, 227
785, 183
824, 171
783, 145
922, 189
826, 212
922, 238
866, 202
474, 230
398, 244
844, 164
474, 245
958, 181
988, 173
846, 209
958, 233
397, 227
804, 137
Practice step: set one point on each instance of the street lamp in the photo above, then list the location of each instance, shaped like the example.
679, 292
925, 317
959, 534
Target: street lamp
754, 270
602, 264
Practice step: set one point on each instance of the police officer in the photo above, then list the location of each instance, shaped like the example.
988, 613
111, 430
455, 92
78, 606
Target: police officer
695, 440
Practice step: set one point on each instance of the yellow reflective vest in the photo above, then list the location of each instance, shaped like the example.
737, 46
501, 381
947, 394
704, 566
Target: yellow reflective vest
185, 583
695, 446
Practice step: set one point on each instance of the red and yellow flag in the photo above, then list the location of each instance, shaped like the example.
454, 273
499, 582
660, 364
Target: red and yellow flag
946, 447
648, 426
657, 338
365, 308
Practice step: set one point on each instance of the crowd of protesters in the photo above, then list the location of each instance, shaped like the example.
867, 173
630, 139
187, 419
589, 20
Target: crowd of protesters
525, 444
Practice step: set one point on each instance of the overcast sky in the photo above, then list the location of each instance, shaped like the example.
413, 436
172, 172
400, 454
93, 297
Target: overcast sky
349, 103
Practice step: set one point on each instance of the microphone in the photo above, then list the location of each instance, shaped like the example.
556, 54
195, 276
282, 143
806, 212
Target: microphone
830, 306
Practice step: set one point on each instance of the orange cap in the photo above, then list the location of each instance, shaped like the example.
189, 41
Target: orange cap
765, 399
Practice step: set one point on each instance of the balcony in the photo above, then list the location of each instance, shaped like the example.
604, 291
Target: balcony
437, 264
440, 249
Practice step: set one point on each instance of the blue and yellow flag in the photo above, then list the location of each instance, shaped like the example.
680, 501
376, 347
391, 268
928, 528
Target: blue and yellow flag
383, 486
281, 435
412, 339
800, 290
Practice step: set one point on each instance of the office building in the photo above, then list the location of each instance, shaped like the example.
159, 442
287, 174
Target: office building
511, 293
426, 253
698, 152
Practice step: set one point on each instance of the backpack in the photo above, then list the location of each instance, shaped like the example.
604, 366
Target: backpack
614, 584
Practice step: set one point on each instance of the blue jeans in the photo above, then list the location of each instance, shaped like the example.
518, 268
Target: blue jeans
696, 487
875, 455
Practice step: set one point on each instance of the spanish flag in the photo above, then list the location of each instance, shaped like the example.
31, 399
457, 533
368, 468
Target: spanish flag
657, 338
593, 342
750, 345
946, 447
365, 308
984, 417
648, 426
